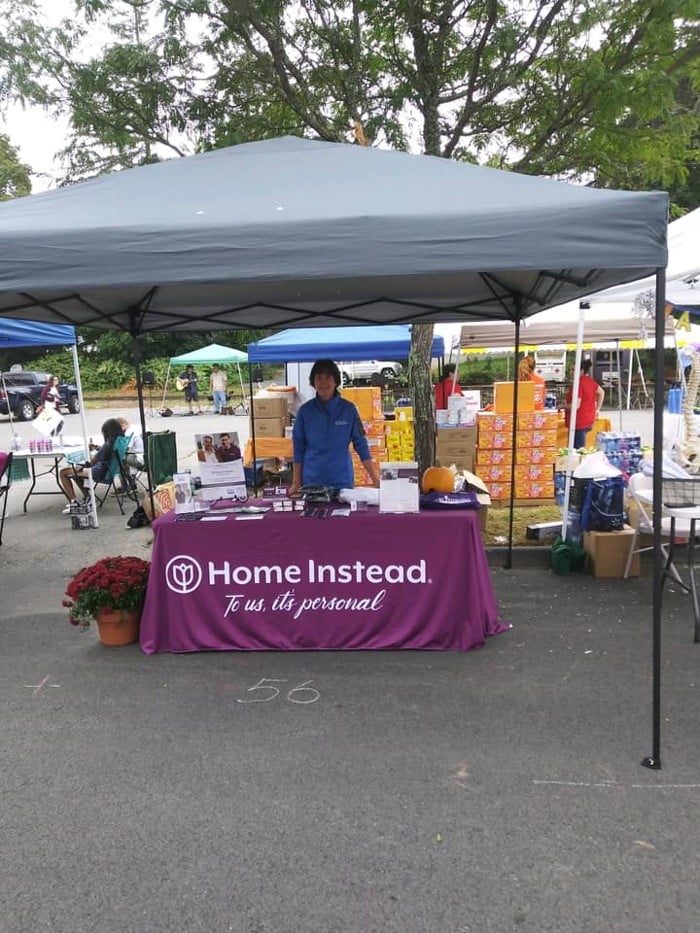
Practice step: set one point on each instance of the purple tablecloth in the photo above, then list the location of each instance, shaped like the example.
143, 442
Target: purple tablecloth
292, 583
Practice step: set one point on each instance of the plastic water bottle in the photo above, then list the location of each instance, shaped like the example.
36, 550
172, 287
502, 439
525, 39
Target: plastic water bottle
16, 442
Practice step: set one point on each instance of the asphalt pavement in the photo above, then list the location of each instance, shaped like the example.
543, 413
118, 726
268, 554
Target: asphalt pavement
493, 790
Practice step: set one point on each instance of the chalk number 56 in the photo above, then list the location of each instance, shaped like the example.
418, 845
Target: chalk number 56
266, 691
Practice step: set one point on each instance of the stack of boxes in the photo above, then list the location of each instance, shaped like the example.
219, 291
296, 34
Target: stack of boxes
399, 436
623, 450
535, 453
456, 446
368, 402
271, 416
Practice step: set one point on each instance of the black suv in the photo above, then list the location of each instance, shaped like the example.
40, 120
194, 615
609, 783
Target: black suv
20, 393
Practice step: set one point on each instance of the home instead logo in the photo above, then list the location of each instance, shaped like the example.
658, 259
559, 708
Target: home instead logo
183, 574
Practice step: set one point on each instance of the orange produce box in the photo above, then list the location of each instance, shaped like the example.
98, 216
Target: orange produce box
486, 456
374, 428
504, 393
536, 439
538, 421
534, 472
499, 490
498, 474
534, 490
490, 421
536, 455
368, 402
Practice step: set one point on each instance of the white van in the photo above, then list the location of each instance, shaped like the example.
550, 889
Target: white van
551, 365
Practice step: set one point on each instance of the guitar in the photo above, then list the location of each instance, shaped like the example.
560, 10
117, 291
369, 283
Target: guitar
181, 383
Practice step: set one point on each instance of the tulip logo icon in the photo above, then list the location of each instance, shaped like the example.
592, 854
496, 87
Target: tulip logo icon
183, 574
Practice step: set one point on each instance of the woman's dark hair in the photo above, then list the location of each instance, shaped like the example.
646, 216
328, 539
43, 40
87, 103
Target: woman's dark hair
448, 370
586, 366
111, 430
328, 367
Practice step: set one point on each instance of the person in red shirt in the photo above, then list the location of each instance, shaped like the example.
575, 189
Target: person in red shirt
590, 399
447, 386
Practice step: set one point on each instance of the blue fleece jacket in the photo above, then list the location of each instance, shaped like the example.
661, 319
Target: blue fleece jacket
322, 435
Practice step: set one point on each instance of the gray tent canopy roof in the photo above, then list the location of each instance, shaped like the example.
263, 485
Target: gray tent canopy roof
294, 232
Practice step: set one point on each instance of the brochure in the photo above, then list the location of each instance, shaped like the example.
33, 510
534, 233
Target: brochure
399, 487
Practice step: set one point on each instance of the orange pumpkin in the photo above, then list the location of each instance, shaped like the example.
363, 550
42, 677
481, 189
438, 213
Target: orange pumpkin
438, 479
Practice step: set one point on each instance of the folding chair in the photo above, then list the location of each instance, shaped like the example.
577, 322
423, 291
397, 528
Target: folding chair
640, 489
122, 485
5, 483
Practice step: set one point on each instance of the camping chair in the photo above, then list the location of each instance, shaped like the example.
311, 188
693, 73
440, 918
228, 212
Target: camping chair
640, 488
122, 485
5, 482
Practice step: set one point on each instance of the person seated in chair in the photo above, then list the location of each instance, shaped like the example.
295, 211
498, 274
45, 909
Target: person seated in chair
134, 451
102, 467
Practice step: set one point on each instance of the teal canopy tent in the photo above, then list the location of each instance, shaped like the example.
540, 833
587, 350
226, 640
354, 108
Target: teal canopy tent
213, 353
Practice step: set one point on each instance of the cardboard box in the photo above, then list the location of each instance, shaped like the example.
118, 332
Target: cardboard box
462, 434
368, 402
543, 531
462, 462
489, 421
538, 421
504, 394
269, 427
494, 457
270, 408
540, 455
608, 551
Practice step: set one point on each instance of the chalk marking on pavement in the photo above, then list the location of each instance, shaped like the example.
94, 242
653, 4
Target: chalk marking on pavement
38, 687
618, 784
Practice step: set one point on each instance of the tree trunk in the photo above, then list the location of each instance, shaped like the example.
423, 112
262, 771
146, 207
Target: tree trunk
421, 390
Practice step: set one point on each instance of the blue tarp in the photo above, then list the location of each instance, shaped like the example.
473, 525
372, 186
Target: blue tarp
384, 342
34, 334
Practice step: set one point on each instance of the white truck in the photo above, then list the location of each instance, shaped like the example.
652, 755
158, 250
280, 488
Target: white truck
551, 365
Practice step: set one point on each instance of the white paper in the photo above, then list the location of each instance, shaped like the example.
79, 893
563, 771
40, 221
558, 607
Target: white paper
47, 421
399, 487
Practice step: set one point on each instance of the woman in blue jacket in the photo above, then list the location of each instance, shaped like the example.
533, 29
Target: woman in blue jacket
323, 430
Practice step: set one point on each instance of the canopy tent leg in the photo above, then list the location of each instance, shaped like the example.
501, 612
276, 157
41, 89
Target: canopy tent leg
653, 761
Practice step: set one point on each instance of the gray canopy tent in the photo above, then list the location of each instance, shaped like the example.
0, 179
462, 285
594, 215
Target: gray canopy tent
293, 232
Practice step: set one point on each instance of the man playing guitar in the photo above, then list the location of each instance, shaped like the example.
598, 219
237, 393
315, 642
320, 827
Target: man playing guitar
187, 380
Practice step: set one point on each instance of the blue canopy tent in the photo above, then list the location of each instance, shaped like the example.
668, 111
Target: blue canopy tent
14, 333
387, 342
19, 333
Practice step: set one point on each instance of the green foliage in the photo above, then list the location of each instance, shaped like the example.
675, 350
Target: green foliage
14, 175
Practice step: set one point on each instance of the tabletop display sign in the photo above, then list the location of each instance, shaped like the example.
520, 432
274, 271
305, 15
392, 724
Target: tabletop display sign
184, 499
220, 465
47, 421
399, 487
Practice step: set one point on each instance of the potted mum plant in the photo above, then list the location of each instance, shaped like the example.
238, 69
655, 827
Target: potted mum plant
111, 592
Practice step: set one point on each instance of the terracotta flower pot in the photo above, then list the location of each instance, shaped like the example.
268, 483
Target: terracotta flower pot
117, 627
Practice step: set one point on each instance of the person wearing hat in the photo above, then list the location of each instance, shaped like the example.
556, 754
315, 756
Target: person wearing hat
190, 379
324, 428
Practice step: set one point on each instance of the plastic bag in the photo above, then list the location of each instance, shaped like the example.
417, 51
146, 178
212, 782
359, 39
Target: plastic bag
567, 556
603, 505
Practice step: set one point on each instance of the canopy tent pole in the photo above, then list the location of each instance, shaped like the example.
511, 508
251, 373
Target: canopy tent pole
165, 387
653, 761
83, 422
572, 417
9, 407
136, 350
634, 355
514, 433
240, 379
619, 383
